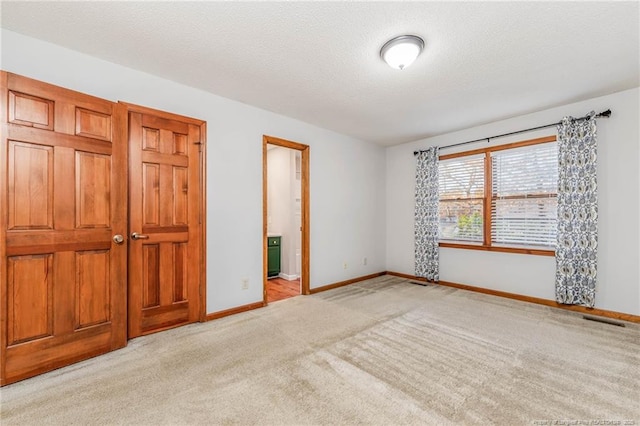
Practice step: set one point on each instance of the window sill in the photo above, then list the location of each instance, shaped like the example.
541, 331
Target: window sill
537, 252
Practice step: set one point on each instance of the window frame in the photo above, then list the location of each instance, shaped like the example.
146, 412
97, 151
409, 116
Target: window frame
488, 199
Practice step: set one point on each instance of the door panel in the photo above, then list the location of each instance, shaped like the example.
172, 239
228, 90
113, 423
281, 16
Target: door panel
30, 186
180, 277
63, 170
93, 189
93, 124
164, 206
92, 288
30, 111
30, 297
151, 275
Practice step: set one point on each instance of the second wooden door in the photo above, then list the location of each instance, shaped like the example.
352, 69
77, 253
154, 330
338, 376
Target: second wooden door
164, 220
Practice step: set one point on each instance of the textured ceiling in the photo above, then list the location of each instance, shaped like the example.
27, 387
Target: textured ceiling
319, 61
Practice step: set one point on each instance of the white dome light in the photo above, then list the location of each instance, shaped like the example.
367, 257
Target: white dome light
400, 52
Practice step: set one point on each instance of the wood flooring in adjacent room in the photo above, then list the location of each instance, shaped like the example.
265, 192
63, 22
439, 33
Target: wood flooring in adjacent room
278, 289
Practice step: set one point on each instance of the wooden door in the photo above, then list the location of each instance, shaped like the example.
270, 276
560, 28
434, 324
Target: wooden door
63, 181
165, 199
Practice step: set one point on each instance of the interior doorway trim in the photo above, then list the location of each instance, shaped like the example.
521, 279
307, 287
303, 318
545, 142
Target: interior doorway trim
304, 152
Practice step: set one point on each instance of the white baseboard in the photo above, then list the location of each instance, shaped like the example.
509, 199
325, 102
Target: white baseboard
288, 277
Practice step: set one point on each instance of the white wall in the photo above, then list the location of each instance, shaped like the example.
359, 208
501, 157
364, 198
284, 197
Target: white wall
346, 175
278, 189
619, 208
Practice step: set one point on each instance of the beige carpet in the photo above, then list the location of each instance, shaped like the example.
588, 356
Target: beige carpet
381, 351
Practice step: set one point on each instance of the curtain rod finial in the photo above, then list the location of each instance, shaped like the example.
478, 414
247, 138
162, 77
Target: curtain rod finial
606, 113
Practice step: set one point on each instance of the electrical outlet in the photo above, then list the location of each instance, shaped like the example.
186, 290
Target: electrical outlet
245, 283
364, 261
344, 265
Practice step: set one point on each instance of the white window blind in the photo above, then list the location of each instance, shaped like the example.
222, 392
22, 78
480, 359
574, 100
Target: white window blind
524, 196
461, 188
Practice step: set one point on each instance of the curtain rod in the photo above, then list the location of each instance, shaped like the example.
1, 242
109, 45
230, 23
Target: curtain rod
605, 114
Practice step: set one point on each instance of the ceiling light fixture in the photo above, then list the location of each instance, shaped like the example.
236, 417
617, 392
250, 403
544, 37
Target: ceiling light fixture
401, 51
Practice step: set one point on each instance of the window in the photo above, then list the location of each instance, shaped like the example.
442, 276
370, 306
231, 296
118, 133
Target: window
523, 199
461, 187
501, 198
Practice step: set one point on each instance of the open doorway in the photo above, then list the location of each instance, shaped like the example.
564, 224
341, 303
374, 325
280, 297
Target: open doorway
285, 219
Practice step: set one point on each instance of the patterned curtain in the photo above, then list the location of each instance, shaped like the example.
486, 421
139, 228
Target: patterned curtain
577, 245
426, 215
